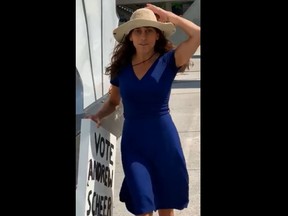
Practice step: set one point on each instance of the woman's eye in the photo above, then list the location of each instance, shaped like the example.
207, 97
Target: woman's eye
146, 31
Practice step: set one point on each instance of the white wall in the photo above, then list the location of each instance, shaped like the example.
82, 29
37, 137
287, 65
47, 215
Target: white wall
94, 45
110, 22
82, 55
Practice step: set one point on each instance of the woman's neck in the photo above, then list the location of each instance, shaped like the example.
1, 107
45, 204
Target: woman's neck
141, 56
142, 59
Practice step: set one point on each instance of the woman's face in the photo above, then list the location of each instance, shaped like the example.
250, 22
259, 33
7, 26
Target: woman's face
144, 39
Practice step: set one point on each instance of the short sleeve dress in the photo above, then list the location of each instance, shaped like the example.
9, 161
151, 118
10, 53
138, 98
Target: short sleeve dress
154, 166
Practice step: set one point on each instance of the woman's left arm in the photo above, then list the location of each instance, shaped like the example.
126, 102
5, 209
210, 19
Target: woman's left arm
187, 48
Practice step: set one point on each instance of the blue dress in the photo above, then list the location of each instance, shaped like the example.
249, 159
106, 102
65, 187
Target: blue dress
155, 170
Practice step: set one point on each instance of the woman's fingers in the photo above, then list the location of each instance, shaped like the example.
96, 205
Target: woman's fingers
98, 122
95, 119
160, 13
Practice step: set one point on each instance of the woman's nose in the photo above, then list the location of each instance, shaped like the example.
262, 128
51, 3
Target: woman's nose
143, 35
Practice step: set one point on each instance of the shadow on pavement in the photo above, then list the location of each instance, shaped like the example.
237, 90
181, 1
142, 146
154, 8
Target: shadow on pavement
186, 84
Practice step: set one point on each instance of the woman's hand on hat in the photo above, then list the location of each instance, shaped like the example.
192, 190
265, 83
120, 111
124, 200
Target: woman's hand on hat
162, 15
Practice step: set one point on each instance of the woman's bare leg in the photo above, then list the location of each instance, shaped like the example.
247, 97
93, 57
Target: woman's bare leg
146, 214
166, 212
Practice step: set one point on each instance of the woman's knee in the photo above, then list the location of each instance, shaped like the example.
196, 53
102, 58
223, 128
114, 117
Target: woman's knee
166, 212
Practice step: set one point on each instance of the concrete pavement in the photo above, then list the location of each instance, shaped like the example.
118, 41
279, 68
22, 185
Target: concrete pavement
185, 111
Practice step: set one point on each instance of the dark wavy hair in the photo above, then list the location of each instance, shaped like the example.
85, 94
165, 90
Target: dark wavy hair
123, 52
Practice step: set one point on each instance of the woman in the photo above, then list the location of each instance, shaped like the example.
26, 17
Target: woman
143, 67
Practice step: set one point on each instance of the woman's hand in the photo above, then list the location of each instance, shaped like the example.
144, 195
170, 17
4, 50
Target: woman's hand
94, 118
108, 107
162, 15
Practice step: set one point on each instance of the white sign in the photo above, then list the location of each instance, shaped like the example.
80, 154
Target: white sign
96, 171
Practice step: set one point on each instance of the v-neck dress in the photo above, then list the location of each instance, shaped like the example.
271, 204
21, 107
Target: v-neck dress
155, 170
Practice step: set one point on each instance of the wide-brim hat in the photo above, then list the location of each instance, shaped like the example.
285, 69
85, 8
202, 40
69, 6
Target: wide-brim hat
140, 18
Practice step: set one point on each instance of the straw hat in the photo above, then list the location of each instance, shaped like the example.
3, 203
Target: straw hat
140, 18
